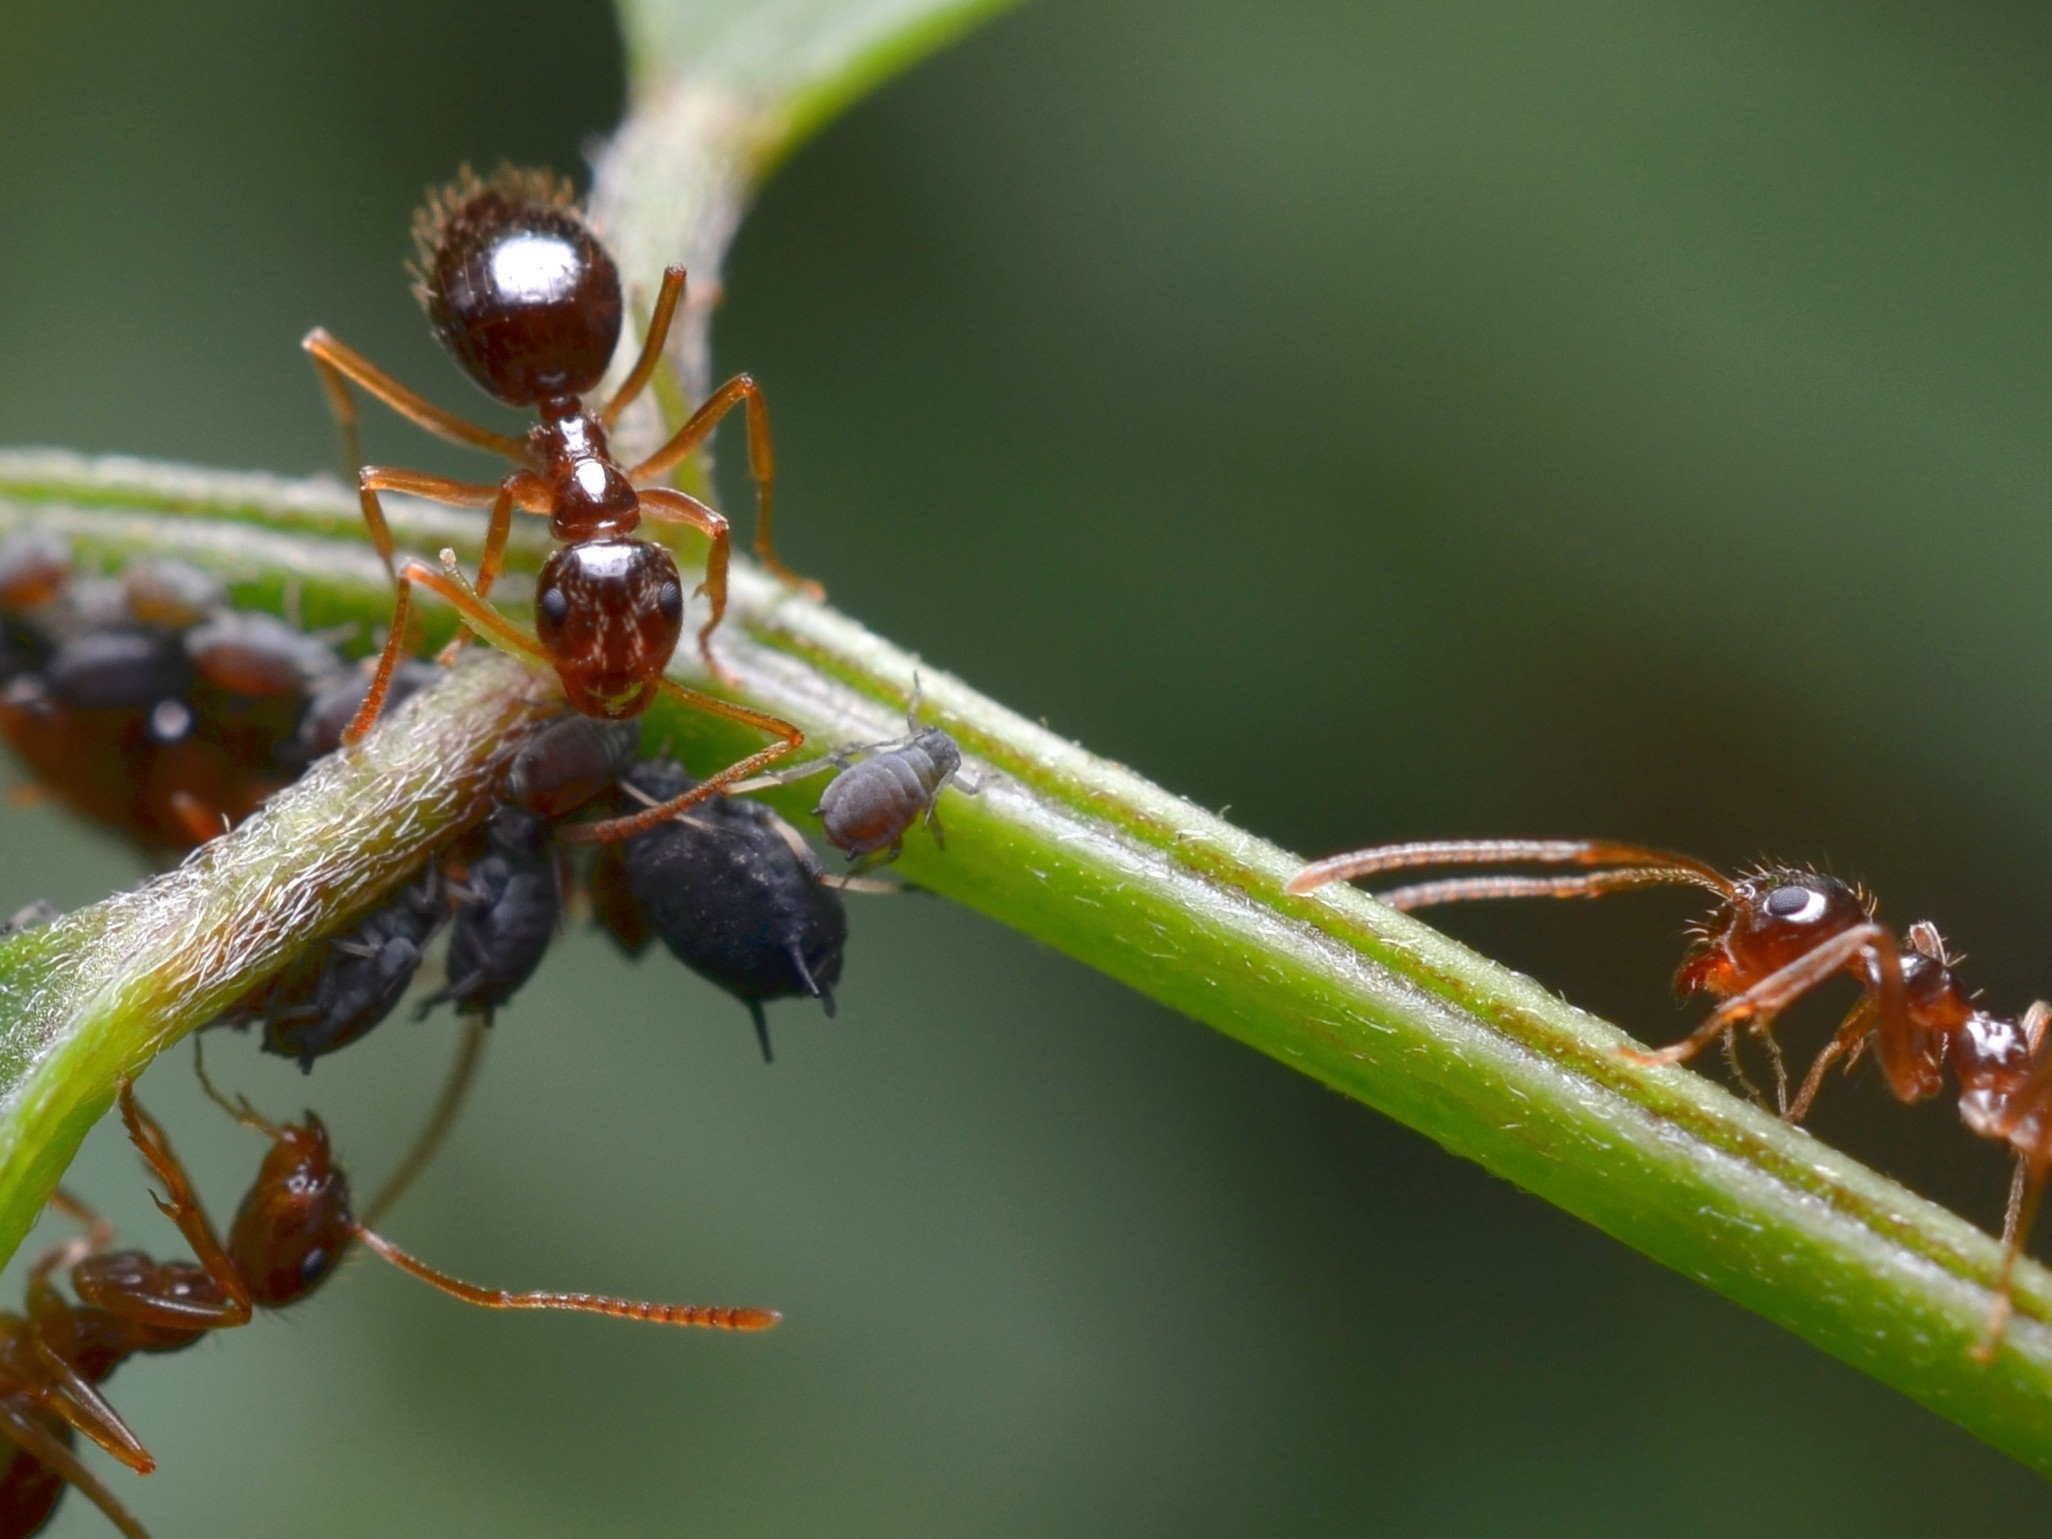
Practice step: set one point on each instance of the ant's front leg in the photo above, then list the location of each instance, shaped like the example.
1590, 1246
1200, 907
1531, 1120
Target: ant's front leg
339, 365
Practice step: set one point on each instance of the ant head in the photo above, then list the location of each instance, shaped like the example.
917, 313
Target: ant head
609, 611
517, 286
1772, 917
295, 1223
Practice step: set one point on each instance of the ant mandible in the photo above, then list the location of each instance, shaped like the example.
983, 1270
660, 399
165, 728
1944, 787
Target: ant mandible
523, 295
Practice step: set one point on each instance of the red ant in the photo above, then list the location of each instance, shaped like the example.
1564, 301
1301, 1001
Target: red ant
528, 301
1779, 933
292, 1230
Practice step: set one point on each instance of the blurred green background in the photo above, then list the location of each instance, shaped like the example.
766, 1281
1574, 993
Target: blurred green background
1394, 420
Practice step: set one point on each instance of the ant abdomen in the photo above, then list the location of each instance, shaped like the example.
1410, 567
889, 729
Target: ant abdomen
517, 287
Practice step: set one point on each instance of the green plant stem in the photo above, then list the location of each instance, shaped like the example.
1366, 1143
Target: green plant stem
1096, 861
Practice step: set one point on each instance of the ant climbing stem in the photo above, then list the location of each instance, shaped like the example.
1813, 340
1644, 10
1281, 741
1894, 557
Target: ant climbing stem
1780, 933
528, 302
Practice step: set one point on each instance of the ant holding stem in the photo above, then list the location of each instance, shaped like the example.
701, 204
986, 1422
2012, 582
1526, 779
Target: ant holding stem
1778, 933
294, 1227
523, 295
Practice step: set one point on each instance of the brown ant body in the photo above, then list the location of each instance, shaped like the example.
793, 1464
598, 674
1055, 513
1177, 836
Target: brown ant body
1778, 933
294, 1227
528, 301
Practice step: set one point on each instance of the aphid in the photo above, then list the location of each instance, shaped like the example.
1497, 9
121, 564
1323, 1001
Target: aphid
569, 762
528, 302
35, 565
508, 907
736, 896
334, 993
171, 595
883, 789
1778, 933
293, 1228
259, 656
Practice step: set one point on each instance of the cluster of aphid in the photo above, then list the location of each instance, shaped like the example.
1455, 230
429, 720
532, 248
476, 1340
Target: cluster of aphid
148, 703
1776, 934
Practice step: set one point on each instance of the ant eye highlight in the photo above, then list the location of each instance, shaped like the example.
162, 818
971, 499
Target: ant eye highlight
1794, 903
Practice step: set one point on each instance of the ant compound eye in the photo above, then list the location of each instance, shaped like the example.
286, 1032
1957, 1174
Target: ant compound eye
670, 600
1796, 904
553, 605
313, 1266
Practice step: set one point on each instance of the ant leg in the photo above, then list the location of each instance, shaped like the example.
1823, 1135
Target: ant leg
373, 479
606, 830
19, 1424
461, 1076
708, 1316
1595, 885
183, 1208
1851, 1035
2025, 1192
1503, 852
339, 365
1769, 997
666, 506
667, 299
522, 489
762, 465
477, 614
99, 1234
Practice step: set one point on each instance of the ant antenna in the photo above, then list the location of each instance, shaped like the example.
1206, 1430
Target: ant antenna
709, 1317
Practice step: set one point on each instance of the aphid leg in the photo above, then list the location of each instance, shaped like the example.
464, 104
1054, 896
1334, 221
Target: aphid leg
755, 1014
1503, 852
791, 739
182, 1207
1769, 997
338, 365
462, 1074
665, 505
762, 464
17, 1423
706, 1316
668, 297
1850, 1037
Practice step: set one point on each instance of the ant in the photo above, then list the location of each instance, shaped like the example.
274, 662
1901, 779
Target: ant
526, 299
1779, 933
294, 1227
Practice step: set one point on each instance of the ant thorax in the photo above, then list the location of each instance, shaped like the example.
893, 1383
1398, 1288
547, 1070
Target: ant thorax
591, 495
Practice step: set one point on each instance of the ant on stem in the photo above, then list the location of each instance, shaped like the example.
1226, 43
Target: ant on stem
526, 299
294, 1227
1779, 932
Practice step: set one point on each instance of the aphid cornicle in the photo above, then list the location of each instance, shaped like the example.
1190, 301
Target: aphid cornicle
736, 896
524, 297
294, 1227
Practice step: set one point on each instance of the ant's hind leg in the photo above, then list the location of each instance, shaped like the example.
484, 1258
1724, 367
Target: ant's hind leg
19, 1424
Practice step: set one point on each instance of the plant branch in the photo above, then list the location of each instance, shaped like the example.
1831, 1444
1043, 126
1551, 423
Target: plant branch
1096, 861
